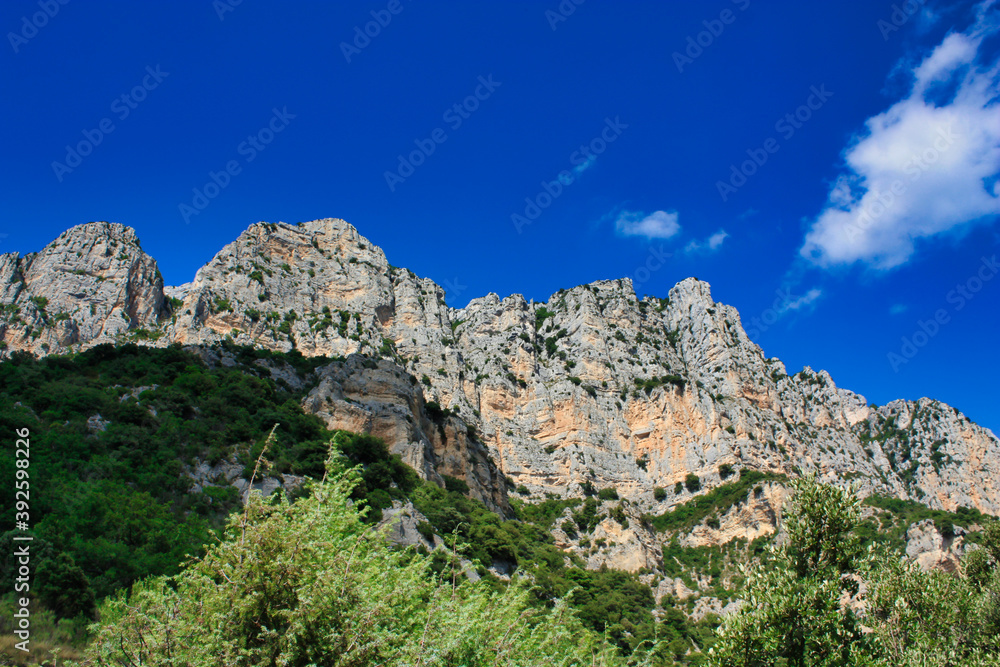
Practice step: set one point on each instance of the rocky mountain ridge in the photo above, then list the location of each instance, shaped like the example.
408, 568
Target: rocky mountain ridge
657, 399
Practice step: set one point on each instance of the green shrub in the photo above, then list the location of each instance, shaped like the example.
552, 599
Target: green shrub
692, 482
608, 493
304, 587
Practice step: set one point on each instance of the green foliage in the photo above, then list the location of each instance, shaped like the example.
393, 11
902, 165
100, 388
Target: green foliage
541, 314
660, 494
692, 482
308, 583
383, 476
543, 514
587, 517
455, 485
889, 528
717, 501
608, 493
793, 609
115, 504
650, 384
617, 512
824, 599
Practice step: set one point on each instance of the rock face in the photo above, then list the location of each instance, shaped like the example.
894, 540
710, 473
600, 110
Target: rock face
931, 550
93, 284
594, 387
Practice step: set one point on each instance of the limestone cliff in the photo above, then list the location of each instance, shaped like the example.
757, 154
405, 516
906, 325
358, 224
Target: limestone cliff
594, 388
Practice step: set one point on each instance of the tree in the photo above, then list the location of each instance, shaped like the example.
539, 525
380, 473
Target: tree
692, 482
63, 587
821, 599
938, 619
798, 604
312, 583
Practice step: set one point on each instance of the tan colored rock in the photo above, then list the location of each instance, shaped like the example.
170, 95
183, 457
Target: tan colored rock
607, 389
94, 284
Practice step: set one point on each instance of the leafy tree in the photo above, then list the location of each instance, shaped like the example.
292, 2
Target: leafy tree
935, 618
692, 482
823, 599
310, 583
797, 609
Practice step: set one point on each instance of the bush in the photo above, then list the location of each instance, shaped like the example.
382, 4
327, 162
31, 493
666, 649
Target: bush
303, 586
455, 485
725, 470
692, 482
945, 526
660, 494
426, 530
609, 493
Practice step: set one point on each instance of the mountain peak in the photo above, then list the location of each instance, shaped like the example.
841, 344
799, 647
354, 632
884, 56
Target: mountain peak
592, 388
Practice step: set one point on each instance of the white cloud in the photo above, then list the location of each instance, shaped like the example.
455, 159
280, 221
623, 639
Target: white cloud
802, 301
926, 166
656, 225
716, 239
585, 165
712, 243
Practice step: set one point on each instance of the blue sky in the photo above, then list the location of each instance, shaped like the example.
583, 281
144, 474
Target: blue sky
830, 168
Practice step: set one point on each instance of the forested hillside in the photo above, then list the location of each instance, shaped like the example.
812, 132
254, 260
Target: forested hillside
118, 435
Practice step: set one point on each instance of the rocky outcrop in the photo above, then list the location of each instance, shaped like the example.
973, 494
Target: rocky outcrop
931, 549
592, 388
94, 284
378, 397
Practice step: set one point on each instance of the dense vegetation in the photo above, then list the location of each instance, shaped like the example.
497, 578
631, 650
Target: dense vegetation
305, 579
114, 430
110, 502
824, 599
310, 584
